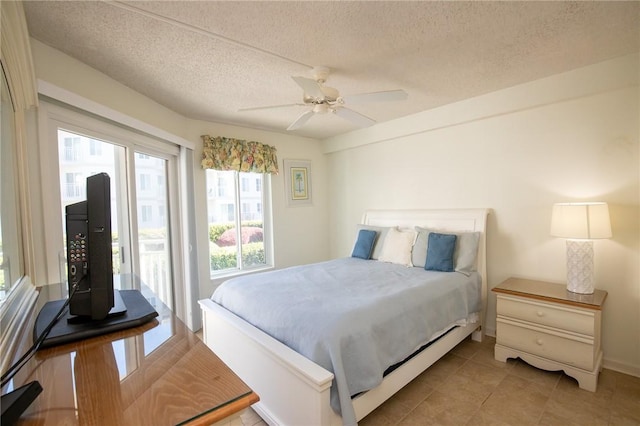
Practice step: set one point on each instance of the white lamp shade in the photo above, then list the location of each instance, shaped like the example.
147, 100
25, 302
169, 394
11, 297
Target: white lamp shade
581, 221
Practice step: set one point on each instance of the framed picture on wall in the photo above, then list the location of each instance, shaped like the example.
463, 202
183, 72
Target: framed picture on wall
297, 176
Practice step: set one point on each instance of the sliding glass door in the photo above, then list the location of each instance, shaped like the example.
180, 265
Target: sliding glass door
153, 242
139, 205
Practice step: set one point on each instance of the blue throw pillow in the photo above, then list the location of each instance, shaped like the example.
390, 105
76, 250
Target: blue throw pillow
364, 244
440, 252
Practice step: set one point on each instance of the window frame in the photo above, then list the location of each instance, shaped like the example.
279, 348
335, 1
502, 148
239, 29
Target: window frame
267, 227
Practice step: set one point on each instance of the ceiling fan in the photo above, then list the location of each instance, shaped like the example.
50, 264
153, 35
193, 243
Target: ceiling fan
323, 99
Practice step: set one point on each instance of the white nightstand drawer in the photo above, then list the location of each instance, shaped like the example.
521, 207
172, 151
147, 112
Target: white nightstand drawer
565, 318
571, 350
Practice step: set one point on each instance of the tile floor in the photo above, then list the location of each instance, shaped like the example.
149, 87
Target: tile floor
468, 387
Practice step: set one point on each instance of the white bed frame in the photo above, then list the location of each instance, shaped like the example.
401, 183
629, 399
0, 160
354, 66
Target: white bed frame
295, 391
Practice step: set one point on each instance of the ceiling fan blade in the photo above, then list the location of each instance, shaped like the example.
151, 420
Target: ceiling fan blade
355, 117
269, 107
389, 95
310, 87
303, 118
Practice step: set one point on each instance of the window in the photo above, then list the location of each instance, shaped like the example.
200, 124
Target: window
154, 237
221, 188
74, 185
145, 250
145, 181
229, 211
95, 148
237, 228
246, 211
72, 150
146, 214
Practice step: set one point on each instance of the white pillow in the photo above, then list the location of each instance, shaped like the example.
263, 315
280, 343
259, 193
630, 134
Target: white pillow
419, 251
397, 247
466, 252
464, 256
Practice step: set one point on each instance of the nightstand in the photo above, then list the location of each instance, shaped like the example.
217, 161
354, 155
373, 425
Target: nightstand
550, 328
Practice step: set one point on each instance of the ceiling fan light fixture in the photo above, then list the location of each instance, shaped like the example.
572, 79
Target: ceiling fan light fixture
320, 73
321, 108
330, 94
322, 99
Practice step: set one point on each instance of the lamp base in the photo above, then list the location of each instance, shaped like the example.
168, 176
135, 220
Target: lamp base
580, 277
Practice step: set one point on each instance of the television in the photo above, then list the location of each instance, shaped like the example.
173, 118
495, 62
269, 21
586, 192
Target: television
89, 256
94, 306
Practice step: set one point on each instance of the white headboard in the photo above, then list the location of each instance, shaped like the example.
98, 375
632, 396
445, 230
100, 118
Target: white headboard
441, 219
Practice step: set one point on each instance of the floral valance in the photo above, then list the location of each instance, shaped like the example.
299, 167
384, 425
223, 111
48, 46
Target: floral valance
222, 153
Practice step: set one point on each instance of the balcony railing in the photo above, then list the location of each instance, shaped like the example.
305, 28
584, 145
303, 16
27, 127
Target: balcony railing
154, 268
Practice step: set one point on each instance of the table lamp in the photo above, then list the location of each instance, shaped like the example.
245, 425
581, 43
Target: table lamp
580, 224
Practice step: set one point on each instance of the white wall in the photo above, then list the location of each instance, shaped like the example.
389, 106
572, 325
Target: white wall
570, 137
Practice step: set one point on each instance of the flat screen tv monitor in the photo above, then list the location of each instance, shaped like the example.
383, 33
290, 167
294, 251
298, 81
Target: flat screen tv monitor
89, 256
94, 307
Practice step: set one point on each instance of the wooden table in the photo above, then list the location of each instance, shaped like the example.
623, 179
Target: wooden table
159, 373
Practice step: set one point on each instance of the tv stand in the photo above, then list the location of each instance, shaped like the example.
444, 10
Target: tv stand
134, 310
119, 308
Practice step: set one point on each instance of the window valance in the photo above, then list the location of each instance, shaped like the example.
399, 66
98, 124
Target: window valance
222, 153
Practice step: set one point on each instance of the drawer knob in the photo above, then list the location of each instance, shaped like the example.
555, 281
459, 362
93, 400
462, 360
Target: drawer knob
540, 313
539, 342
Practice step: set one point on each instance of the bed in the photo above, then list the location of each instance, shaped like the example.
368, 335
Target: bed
297, 391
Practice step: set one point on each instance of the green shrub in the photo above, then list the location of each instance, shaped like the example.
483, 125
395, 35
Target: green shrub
253, 254
225, 257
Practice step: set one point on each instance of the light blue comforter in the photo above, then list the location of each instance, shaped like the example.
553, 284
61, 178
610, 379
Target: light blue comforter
353, 317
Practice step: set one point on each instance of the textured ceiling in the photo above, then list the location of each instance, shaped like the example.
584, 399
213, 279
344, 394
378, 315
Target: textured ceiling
206, 60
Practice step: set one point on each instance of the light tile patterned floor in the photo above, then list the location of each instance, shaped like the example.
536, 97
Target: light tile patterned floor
468, 387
